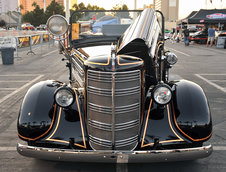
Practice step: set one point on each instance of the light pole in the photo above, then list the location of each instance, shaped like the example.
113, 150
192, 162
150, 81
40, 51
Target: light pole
135, 7
44, 7
67, 11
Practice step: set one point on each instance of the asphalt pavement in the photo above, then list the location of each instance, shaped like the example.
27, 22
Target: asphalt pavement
204, 65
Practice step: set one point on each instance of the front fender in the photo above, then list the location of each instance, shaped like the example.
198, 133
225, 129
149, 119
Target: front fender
191, 113
37, 111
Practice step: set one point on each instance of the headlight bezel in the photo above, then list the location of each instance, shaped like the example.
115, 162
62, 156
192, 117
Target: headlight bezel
157, 88
68, 90
171, 58
51, 30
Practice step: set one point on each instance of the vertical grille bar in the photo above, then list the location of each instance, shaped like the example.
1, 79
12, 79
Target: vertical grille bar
113, 111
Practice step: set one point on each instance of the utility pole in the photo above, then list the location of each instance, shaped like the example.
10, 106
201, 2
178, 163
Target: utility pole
67, 11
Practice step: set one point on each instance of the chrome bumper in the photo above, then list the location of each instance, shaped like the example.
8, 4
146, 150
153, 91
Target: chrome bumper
114, 156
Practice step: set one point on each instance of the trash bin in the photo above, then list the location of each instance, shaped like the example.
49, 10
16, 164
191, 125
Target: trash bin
7, 56
221, 42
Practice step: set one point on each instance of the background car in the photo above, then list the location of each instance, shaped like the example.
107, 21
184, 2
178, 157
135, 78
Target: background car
221, 33
199, 37
42, 27
97, 26
27, 26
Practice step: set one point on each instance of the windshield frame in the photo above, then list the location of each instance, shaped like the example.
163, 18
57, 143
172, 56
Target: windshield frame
94, 40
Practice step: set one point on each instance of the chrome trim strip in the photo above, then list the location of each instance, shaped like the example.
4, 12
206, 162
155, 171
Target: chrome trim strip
126, 109
55, 154
99, 73
78, 77
100, 142
126, 125
77, 67
107, 76
100, 109
118, 92
116, 80
127, 141
108, 127
118, 110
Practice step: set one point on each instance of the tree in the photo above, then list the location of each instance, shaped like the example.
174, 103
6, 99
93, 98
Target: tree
34, 4
28, 17
35, 17
80, 6
54, 8
21, 7
39, 15
121, 14
84, 15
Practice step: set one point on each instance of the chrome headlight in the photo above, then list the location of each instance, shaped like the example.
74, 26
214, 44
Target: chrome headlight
162, 94
64, 96
171, 58
57, 25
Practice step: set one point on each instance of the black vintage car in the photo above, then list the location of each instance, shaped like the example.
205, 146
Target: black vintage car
119, 105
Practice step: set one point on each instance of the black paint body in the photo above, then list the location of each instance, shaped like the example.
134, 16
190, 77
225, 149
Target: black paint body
184, 122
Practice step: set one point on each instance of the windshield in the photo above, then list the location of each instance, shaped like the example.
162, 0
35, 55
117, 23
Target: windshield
100, 24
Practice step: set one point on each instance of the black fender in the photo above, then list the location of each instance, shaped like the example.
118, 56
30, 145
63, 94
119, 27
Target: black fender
69, 128
37, 111
191, 113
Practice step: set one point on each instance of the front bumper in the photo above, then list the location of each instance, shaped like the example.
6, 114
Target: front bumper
114, 156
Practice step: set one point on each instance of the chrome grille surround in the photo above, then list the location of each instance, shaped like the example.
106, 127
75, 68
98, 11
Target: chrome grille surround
113, 109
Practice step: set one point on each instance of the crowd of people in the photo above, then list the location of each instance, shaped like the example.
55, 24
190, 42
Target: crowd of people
184, 33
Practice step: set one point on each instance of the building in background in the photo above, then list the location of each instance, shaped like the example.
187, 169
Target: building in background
27, 4
175, 10
8, 5
170, 9
61, 2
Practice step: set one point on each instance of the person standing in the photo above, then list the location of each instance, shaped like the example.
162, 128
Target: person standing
186, 36
211, 36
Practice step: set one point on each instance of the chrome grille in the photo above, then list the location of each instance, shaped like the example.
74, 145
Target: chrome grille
113, 109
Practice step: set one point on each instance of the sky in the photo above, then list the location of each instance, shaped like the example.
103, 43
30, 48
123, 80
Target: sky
108, 4
185, 6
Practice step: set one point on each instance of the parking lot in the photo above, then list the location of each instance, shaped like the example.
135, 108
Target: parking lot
12, 84
204, 65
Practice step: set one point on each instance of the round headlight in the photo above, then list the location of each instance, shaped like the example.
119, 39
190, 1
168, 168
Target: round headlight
162, 94
64, 96
57, 25
171, 58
